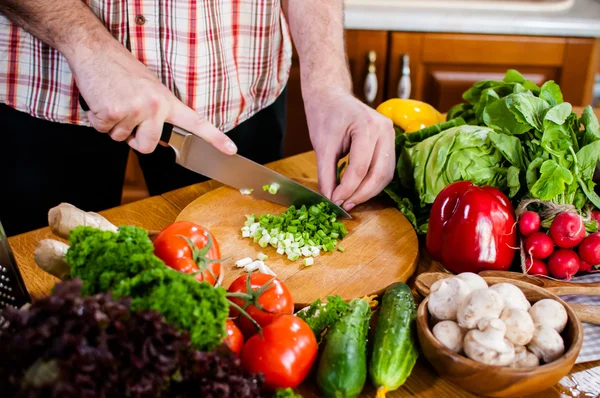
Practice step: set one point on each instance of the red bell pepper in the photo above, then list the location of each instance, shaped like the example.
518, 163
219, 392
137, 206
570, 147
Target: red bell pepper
472, 229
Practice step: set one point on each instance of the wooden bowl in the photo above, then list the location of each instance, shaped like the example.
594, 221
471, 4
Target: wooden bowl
496, 381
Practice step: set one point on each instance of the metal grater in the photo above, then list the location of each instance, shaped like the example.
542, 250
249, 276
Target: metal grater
12, 288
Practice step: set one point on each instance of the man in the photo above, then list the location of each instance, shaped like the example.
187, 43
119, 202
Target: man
207, 66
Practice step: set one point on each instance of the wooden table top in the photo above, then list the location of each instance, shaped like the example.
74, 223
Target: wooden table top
157, 212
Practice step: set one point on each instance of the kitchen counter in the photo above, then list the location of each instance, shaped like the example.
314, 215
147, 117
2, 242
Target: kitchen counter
157, 212
581, 20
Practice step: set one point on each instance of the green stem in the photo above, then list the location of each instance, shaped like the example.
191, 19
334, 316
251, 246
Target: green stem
244, 313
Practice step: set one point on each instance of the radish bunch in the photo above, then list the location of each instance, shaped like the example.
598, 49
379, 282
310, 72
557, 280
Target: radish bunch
563, 250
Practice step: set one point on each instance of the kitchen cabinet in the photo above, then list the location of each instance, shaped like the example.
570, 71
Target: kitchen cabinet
443, 66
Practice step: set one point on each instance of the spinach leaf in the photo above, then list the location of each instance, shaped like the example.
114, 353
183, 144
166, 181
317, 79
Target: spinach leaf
551, 93
512, 181
551, 183
513, 76
558, 114
528, 109
498, 117
510, 146
591, 131
531, 175
488, 96
587, 157
555, 139
590, 193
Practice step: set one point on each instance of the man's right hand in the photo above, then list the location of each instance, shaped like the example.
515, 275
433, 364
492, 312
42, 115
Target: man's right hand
123, 94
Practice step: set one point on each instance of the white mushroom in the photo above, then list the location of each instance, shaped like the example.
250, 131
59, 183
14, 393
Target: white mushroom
479, 304
549, 313
450, 335
445, 297
519, 326
488, 345
546, 344
512, 295
524, 358
473, 280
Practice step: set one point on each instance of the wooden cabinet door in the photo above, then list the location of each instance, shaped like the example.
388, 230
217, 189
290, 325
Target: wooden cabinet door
443, 66
358, 46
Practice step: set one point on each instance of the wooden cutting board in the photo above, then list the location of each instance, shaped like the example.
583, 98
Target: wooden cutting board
381, 246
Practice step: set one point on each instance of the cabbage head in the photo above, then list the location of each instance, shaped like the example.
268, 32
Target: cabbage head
463, 153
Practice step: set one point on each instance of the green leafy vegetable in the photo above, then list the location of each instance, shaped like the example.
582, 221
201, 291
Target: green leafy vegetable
286, 393
552, 180
551, 93
501, 119
464, 153
513, 135
319, 316
123, 262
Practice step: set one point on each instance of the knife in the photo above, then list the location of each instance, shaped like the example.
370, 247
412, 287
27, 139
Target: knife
194, 153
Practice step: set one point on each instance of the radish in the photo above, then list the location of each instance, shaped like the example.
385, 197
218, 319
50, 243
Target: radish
529, 222
584, 267
563, 264
589, 249
596, 216
539, 245
567, 230
536, 267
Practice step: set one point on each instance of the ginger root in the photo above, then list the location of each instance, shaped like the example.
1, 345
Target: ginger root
50, 255
65, 217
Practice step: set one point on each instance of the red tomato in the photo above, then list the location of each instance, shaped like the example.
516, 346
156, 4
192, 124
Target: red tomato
235, 338
284, 353
189, 248
269, 298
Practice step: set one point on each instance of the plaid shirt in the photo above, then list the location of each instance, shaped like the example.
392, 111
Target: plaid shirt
227, 59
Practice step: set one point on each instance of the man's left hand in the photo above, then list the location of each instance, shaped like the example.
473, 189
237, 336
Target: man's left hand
340, 124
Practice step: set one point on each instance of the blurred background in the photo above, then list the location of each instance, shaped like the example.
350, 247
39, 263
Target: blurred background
434, 50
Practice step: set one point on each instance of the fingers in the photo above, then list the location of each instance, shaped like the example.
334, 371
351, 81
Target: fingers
189, 120
101, 124
147, 136
379, 176
122, 130
361, 154
327, 169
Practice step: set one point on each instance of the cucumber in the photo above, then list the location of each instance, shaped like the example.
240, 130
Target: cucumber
342, 370
394, 345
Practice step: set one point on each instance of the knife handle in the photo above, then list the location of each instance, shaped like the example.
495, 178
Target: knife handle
166, 131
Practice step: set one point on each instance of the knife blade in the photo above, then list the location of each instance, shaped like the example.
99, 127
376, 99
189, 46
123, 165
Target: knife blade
196, 154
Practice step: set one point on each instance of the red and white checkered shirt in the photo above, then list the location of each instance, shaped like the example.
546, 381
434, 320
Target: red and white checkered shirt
227, 59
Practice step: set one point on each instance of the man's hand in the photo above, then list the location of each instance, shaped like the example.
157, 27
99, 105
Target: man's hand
121, 92
340, 124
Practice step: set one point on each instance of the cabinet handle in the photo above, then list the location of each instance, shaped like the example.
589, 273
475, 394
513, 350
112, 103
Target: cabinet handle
404, 85
370, 88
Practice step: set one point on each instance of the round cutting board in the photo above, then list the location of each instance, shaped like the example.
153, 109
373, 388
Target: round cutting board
381, 247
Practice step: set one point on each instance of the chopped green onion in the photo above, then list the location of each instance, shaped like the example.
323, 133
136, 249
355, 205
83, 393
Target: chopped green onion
303, 231
309, 261
244, 191
266, 187
341, 249
262, 256
273, 188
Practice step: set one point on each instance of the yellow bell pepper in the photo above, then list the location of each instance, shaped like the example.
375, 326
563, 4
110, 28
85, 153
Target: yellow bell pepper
410, 115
